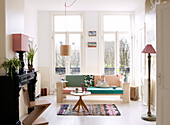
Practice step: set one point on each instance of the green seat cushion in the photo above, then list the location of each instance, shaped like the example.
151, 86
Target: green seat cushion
74, 80
96, 90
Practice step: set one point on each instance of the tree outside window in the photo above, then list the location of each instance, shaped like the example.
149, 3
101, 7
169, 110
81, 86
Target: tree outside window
124, 58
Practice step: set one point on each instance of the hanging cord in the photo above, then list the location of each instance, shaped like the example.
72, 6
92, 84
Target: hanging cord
70, 4
66, 10
65, 17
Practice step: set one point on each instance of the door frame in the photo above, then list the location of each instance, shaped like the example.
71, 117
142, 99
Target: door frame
163, 90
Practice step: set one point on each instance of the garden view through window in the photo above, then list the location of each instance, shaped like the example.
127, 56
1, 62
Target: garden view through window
116, 35
67, 30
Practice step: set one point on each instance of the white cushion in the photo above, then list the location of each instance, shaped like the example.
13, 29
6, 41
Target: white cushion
102, 84
99, 83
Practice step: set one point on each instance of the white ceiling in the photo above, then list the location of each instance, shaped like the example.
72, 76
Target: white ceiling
88, 5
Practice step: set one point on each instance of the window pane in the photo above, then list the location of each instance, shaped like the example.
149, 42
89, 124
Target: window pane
75, 42
109, 57
64, 23
60, 60
124, 55
117, 23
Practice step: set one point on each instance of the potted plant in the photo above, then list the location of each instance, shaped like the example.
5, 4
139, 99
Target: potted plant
30, 57
11, 66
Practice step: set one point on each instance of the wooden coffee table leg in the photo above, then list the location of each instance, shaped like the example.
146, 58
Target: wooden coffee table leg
80, 103
78, 108
77, 104
84, 105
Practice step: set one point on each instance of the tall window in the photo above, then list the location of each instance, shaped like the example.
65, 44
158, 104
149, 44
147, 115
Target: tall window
117, 42
68, 30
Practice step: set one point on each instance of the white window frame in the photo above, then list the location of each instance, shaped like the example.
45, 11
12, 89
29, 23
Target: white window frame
82, 49
101, 42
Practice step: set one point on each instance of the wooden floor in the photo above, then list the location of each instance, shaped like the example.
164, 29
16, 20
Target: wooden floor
130, 112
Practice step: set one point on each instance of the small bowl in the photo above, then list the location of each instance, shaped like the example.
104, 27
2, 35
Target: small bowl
114, 87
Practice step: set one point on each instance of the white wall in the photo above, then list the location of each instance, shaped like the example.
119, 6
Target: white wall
44, 36
30, 27
139, 27
45, 42
14, 23
88, 5
140, 16
92, 55
138, 79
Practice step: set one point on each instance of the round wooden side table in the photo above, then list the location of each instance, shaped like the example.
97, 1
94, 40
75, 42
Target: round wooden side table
80, 102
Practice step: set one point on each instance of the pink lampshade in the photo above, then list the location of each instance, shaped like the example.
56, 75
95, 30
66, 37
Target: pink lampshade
148, 49
20, 42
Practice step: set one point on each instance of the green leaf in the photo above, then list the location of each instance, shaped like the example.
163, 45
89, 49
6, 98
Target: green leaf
31, 54
10, 64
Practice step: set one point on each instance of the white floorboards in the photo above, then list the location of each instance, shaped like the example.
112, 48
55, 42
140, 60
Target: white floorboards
130, 112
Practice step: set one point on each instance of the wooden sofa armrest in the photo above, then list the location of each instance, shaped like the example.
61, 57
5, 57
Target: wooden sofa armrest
126, 86
126, 92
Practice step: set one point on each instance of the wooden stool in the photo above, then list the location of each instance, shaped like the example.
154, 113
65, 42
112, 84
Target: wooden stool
40, 107
134, 93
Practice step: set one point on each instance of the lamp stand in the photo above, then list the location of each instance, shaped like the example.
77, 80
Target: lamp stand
21, 54
149, 116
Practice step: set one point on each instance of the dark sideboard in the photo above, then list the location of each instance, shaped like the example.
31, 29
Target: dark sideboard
9, 95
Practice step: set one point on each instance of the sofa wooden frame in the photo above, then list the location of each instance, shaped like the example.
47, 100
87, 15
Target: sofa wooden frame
125, 96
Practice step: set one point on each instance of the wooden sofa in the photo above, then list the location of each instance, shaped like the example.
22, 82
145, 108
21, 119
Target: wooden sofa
75, 81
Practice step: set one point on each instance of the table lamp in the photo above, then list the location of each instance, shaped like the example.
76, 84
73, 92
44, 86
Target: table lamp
20, 45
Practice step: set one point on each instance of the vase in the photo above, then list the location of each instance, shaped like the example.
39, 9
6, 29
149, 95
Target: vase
14, 72
126, 78
30, 67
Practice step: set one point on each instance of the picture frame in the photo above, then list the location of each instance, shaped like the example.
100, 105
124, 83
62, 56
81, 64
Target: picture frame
92, 44
92, 33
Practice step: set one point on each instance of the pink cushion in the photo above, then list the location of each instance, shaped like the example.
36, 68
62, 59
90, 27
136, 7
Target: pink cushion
113, 80
67, 90
96, 78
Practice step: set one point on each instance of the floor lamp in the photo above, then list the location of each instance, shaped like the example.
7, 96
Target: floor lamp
149, 116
